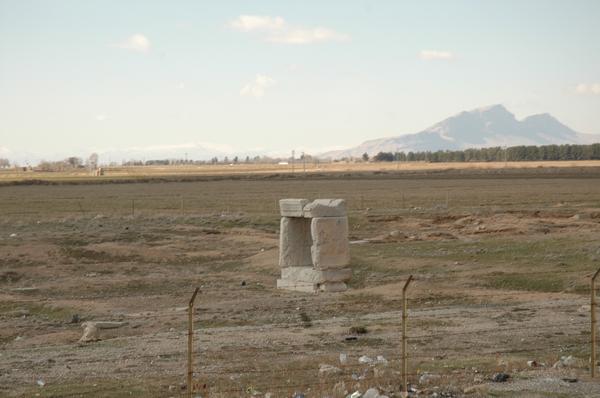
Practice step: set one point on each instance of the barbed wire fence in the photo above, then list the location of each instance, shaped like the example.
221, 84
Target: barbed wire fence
385, 368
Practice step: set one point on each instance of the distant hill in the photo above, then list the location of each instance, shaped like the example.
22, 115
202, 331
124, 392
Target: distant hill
482, 127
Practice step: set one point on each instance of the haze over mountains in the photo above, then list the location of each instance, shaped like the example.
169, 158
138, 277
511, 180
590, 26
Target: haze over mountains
479, 128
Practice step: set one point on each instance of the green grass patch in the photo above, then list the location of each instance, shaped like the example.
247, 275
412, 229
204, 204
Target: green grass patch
16, 309
537, 282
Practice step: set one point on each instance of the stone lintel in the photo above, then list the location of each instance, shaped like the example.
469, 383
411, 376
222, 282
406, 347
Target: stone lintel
292, 207
325, 208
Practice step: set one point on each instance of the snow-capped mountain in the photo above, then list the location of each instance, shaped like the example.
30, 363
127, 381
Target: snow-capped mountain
483, 127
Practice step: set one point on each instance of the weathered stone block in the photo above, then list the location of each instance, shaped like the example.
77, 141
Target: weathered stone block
330, 248
329, 287
309, 274
292, 207
294, 242
325, 208
297, 286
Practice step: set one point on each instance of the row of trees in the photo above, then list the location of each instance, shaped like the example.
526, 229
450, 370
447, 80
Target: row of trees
496, 154
70, 163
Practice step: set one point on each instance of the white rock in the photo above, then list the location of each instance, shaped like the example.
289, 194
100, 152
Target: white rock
365, 359
90, 329
371, 393
381, 359
355, 394
565, 362
343, 358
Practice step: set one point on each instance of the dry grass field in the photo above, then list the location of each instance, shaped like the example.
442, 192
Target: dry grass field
298, 168
501, 261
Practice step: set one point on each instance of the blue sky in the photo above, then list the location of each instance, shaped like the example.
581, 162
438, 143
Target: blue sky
82, 76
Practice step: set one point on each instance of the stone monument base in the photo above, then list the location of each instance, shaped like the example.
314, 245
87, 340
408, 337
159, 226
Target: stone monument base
308, 279
308, 287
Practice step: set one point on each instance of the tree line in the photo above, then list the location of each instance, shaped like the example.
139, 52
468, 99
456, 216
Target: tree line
496, 154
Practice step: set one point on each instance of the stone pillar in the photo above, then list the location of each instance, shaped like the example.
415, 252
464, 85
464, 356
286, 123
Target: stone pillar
314, 252
294, 242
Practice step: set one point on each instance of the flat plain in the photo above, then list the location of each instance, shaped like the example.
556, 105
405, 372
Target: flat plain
502, 261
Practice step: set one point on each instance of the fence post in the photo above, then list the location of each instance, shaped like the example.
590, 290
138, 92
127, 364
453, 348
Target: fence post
404, 338
190, 367
594, 327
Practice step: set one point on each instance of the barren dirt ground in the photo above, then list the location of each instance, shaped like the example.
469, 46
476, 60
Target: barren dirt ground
501, 267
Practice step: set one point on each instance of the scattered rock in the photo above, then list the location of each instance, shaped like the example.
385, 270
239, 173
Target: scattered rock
381, 359
371, 393
298, 395
427, 378
13, 235
325, 370
355, 394
565, 362
365, 359
532, 364
243, 283
500, 377
41, 383
90, 329
75, 318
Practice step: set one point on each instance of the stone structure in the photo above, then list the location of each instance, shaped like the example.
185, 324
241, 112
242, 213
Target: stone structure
313, 246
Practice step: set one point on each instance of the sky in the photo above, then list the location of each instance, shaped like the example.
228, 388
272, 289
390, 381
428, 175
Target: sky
272, 76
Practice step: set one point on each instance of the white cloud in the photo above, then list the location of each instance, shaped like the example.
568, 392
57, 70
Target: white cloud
277, 30
249, 23
435, 55
100, 117
306, 36
136, 42
4, 150
257, 87
592, 88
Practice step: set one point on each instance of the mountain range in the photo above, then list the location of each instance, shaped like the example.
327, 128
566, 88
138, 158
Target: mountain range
490, 126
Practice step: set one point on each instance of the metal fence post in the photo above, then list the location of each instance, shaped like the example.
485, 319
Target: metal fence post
404, 338
190, 367
594, 327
